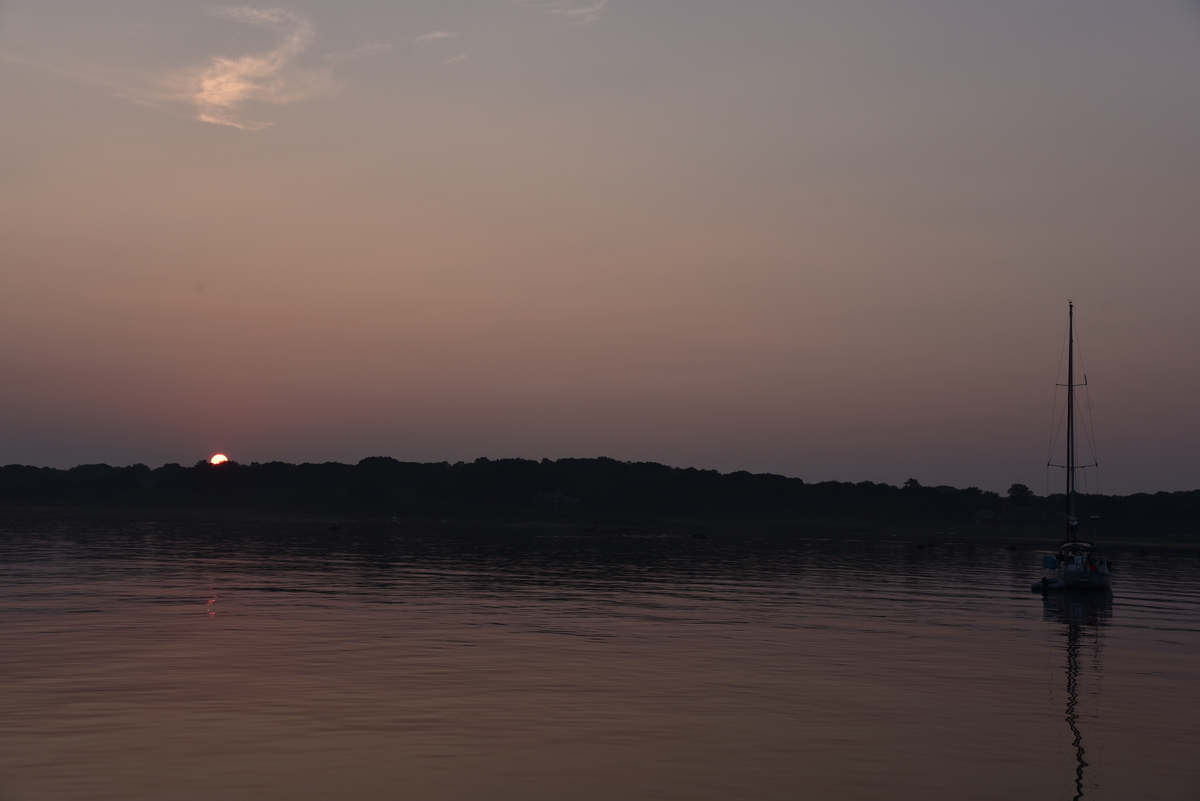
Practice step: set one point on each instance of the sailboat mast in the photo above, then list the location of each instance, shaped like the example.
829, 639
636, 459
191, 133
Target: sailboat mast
1071, 410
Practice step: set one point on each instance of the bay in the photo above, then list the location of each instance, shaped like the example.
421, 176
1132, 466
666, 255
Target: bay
281, 661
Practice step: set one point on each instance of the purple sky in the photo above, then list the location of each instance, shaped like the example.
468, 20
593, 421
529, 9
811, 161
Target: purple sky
833, 240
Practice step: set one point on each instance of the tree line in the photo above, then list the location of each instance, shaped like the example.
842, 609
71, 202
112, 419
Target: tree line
598, 491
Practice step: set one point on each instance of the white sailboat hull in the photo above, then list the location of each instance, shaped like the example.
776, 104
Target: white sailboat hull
1076, 579
1086, 580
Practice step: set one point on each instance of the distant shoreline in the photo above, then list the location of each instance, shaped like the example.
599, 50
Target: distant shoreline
601, 494
16, 520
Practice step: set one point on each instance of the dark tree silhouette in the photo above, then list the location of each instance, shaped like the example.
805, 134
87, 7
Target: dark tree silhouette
601, 492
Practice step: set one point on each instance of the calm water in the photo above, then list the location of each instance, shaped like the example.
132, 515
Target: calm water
141, 662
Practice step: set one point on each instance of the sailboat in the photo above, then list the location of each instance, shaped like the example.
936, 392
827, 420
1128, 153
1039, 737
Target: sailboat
1079, 564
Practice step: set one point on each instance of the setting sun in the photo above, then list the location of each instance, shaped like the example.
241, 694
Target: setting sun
220, 458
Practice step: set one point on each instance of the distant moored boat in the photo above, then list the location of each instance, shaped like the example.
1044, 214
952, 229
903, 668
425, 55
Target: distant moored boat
1078, 565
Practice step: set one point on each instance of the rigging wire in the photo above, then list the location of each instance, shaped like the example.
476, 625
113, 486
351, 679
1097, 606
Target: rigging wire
1089, 425
1055, 433
1091, 445
1087, 421
1054, 405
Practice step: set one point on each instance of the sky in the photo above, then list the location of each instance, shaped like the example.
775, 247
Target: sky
831, 239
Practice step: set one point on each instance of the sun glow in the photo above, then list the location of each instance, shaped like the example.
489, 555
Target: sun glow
220, 458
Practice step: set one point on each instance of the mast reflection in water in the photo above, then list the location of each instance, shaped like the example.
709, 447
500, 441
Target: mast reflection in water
1083, 615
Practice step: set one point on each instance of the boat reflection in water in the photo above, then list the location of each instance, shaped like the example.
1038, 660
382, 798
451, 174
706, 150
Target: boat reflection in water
1083, 615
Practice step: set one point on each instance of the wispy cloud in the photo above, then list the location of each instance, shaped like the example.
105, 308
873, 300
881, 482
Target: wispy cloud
572, 12
222, 89
461, 57
433, 36
258, 16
